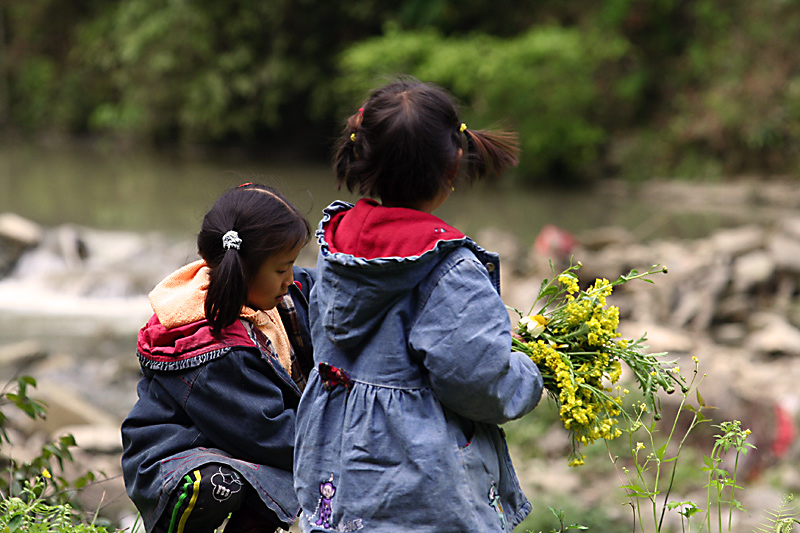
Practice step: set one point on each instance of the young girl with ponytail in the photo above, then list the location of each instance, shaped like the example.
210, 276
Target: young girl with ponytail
397, 429
224, 359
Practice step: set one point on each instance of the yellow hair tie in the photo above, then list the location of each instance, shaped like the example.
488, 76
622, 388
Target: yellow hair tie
463, 127
353, 137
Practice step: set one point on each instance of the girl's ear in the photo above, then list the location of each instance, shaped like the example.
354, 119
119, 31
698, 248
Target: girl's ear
452, 172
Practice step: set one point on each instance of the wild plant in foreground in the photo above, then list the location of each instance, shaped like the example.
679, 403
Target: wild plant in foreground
651, 477
781, 520
30, 512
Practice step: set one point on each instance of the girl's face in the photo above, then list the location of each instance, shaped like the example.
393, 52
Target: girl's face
270, 283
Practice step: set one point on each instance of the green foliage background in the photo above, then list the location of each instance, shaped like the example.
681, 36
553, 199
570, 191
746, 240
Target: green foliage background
638, 88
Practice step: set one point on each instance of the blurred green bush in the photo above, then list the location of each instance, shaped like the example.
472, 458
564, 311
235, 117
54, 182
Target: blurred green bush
705, 89
544, 84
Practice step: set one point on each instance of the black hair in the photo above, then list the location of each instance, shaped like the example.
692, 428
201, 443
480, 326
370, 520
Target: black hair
266, 223
402, 145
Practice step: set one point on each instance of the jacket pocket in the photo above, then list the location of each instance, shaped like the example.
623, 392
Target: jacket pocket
461, 429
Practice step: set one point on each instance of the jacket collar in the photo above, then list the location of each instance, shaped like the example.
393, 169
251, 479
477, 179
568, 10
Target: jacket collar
370, 230
188, 345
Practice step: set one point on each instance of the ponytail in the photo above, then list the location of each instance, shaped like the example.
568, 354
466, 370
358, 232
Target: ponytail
227, 291
489, 153
349, 156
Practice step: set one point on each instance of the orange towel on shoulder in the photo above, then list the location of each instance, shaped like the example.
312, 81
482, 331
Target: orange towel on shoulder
179, 299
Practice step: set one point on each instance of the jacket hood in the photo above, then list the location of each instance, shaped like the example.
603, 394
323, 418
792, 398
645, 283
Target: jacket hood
178, 333
179, 299
371, 257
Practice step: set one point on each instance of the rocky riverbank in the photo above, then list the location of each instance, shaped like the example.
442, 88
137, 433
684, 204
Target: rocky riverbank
73, 298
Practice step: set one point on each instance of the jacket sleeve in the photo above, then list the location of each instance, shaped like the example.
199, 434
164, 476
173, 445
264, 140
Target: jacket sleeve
297, 323
236, 405
306, 277
463, 336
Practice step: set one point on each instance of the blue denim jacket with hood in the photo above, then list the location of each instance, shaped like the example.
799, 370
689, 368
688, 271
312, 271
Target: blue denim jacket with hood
223, 399
397, 428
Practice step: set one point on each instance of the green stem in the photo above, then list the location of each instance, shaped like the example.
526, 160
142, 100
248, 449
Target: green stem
675, 464
708, 493
733, 488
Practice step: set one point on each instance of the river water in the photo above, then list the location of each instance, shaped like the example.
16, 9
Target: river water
108, 187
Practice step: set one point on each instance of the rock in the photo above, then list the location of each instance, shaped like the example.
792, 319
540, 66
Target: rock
733, 308
21, 231
730, 334
17, 447
17, 235
786, 252
599, 238
775, 335
699, 293
519, 293
18, 356
737, 241
71, 246
659, 337
790, 227
551, 476
505, 244
751, 269
65, 408
94, 438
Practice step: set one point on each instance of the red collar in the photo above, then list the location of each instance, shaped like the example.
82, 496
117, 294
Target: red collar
161, 345
370, 230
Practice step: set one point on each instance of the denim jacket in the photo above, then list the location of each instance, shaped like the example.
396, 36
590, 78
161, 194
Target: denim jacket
216, 399
397, 428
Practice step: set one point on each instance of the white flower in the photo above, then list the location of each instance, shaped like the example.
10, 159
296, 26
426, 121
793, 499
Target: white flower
534, 324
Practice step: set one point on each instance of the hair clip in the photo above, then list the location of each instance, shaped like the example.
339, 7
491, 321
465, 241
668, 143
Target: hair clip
245, 184
353, 137
463, 127
361, 112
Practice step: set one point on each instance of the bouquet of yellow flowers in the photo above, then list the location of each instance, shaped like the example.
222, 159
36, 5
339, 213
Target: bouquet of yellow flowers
573, 339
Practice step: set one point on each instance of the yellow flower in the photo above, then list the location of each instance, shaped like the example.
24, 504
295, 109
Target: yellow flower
676, 370
534, 324
578, 460
639, 446
570, 282
580, 354
46, 473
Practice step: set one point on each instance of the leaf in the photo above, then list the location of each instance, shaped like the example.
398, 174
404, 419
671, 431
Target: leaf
661, 451
27, 380
700, 399
15, 523
548, 291
558, 513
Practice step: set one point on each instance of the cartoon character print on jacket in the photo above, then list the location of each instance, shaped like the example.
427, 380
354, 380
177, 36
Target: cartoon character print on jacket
494, 501
324, 508
225, 485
